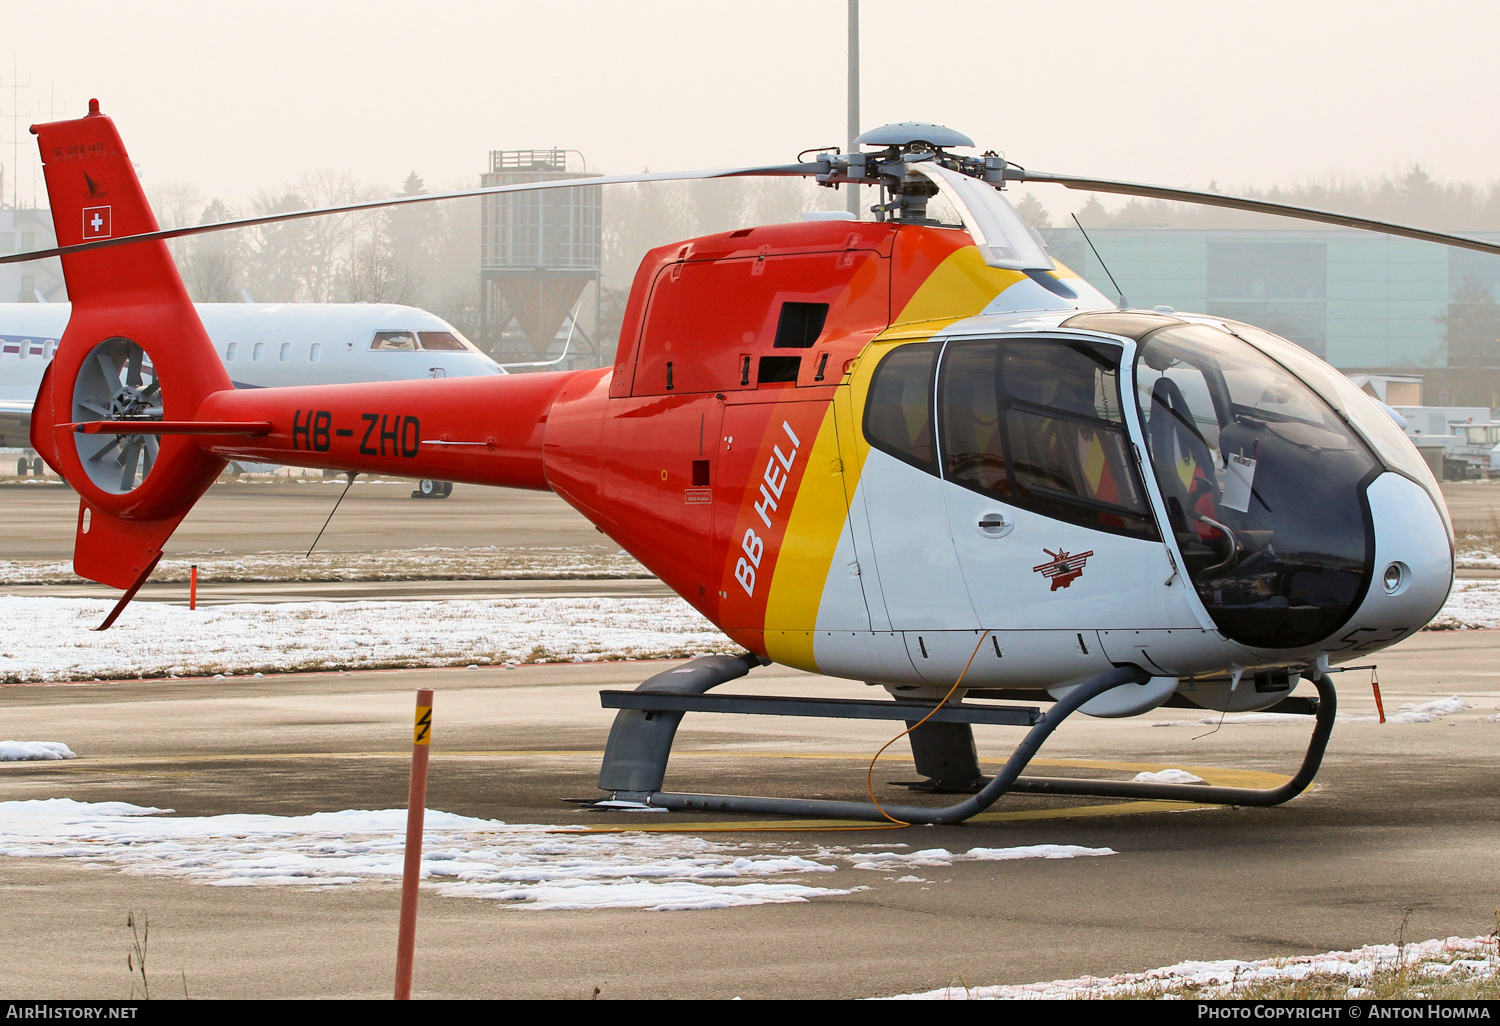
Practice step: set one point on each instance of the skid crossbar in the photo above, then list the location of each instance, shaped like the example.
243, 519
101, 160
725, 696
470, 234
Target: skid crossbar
640, 743
841, 708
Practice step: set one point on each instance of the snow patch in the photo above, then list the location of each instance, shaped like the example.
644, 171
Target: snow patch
487, 563
1412, 712
28, 751
1169, 776
53, 640
528, 866
1236, 718
524, 866
1209, 980
886, 860
1472, 605
1476, 559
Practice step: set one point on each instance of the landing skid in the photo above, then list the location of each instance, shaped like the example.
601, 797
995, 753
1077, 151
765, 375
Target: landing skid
640, 742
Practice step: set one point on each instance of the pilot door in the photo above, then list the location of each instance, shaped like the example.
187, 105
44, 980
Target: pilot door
1048, 512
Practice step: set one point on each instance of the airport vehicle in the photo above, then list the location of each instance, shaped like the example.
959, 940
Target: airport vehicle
1472, 454
911, 451
261, 344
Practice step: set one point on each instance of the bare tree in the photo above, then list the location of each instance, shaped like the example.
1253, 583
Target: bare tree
211, 266
371, 273
176, 205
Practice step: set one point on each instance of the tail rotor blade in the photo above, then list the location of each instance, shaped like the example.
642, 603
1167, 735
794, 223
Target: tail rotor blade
105, 449
132, 457
111, 371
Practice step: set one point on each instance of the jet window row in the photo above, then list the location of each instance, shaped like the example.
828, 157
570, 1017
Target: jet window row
1035, 424
283, 353
28, 347
384, 341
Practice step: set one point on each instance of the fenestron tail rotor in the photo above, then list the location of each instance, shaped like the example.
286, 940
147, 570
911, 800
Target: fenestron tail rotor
117, 383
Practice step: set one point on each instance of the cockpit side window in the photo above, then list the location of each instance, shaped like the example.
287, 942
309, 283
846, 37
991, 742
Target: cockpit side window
444, 341
898, 412
1037, 424
403, 341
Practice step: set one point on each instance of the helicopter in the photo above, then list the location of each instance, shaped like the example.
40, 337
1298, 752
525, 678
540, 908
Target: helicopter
914, 451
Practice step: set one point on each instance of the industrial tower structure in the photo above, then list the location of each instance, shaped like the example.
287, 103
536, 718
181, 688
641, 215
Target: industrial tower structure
539, 253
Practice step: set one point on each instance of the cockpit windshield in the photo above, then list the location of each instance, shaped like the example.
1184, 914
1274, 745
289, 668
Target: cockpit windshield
1263, 485
1373, 424
412, 341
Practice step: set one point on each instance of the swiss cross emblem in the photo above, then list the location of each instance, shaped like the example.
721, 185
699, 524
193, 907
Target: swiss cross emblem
1063, 568
96, 223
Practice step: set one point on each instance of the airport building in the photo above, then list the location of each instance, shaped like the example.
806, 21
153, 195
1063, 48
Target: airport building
540, 253
1364, 302
23, 229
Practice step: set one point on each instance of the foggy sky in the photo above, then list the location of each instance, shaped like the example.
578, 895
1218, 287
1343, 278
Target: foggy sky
235, 99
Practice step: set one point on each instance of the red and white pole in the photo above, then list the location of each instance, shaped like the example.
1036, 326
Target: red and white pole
193, 588
416, 804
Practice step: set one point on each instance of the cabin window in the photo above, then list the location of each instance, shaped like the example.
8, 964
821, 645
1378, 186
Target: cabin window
800, 325
315, 352
441, 341
230, 350
401, 341
774, 369
1037, 424
898, 412
49, 348
258, 352
286, 351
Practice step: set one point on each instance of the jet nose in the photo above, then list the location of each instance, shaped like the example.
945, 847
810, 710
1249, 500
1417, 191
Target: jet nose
1413, 568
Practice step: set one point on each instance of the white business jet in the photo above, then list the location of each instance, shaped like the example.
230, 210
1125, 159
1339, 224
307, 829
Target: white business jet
262, 345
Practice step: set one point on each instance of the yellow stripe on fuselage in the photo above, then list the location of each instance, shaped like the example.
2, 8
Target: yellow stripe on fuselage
812, 535
960, 287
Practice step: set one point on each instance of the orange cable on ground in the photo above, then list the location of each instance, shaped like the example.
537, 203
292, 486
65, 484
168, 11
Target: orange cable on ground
870, 774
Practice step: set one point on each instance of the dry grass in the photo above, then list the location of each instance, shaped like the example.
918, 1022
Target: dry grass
1455, 969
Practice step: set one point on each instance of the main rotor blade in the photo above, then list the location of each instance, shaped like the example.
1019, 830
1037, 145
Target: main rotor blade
1259, 207
766, 171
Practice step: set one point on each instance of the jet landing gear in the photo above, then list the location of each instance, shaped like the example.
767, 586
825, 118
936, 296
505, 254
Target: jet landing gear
429, 489
640, 742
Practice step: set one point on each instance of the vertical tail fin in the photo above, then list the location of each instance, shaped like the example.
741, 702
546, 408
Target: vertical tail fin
134, 350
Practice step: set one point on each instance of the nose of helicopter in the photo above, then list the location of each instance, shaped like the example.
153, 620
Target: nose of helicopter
1413, 568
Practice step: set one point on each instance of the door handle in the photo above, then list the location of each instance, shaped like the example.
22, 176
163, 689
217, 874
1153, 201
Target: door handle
995, 525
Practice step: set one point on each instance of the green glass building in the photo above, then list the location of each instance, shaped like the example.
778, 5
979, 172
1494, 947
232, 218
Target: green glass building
1363, 302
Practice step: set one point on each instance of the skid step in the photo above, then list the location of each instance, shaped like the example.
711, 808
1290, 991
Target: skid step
833, 708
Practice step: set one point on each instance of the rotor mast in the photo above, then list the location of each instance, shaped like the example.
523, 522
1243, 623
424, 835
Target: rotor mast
853, 133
